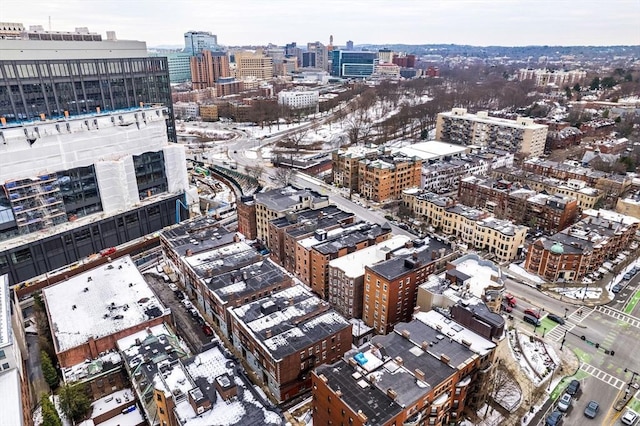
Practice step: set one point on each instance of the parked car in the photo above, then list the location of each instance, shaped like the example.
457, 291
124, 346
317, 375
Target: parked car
505, 307
194, 312
179, 294
207, 330
531, 320
591, 410
532, 312
616, 288
573, 387
187, 304
173, 287
629, 418
628, 276
556, 318
564, 402
554, 419
511, 300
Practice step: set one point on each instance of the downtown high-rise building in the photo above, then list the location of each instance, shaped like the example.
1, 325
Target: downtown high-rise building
86, 159
207, 67
197, 41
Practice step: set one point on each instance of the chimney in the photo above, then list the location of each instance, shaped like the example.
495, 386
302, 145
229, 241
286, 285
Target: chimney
399, 360
445, 359
406, 334
424, 346
323, 378
268, 333
466, 343
339, 393
419, 374
415, 255
362, 416
392, 394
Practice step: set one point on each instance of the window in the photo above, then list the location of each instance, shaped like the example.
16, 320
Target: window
5, 366
2, 355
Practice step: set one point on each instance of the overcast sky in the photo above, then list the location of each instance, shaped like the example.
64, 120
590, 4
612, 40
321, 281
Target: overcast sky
258, 22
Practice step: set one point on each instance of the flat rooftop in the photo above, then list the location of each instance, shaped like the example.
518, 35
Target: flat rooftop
103, 301
481, 273
5, 311
234, 285
289, 320
210, 263
456, 332
358, 394
283, 199
201, 234
353, 264
406, 260
245, 409
433, 150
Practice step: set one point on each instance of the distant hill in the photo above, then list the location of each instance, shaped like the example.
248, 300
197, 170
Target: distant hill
514, 52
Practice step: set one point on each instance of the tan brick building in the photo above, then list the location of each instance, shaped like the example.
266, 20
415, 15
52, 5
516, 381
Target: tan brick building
207, 67
256, 65
385, 178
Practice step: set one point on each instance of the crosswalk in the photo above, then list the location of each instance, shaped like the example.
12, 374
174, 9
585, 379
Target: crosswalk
619, 315
603, 376
558, 332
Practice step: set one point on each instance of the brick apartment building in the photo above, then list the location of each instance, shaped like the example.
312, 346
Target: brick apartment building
585, 195
314, 253
89, 312
266, 206
390, 286
285, 335
285, 232
385, 178
511, 201
582, 248
412, 376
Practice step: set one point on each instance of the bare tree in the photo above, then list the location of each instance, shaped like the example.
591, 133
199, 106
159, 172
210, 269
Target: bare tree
283, 176
256, 171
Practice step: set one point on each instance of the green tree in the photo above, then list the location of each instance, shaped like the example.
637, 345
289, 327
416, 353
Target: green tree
567, 92
49, 371
50, 416
576, 88
74, 402
595, 83
608, 82
605, 113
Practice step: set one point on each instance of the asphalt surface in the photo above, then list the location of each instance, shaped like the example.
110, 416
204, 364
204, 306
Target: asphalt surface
188, 328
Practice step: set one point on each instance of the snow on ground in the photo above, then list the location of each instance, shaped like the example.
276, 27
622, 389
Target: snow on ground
582, 293
487, 416
519, 270
536, 359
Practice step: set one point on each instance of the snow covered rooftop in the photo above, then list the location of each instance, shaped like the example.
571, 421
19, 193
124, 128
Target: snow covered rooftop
289, 319
103, 301
119, 399
5, 311
11, 413
481, 273
611, 216
353, 264
455, 331
223, 259
432, 150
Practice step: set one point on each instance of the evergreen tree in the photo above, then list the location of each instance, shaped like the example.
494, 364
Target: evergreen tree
49, 371
50, 416
74, 402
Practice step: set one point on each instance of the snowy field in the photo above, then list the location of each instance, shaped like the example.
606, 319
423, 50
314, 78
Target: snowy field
536, 359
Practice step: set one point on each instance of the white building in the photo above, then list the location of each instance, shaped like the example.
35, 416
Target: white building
299, 99
12, 350
544, 77
522, 135
186, 109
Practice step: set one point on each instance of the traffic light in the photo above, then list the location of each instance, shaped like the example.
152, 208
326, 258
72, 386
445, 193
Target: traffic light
597, 345
612, 353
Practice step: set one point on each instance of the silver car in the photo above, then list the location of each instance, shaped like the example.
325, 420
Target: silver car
564, 402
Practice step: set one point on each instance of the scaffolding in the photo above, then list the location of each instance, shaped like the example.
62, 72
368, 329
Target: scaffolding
36, 202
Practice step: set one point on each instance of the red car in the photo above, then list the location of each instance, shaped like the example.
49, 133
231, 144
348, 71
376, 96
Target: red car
532, 312
207, 330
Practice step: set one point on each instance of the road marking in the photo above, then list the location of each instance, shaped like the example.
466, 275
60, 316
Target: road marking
618, 315
558, 332
603, 376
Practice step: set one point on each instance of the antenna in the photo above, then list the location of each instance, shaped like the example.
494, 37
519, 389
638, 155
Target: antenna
49, 22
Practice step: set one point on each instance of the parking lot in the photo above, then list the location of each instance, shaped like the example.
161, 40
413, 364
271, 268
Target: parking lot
188, 321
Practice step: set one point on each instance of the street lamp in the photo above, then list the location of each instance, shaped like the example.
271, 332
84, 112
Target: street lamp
585, 292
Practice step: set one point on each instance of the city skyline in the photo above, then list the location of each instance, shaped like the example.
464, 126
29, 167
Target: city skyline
253, 22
